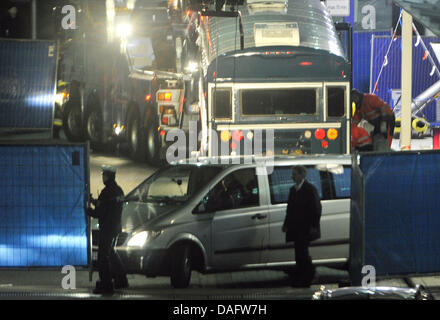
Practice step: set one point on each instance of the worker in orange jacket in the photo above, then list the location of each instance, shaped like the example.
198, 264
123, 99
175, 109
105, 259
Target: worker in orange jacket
377, 112
360, 139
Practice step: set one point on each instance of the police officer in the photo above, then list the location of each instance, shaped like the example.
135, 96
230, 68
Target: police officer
108, 209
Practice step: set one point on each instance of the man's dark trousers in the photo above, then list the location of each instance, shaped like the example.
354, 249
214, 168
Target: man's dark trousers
109, 261
304, 267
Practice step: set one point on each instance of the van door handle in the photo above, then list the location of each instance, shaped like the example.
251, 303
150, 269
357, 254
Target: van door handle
259, 216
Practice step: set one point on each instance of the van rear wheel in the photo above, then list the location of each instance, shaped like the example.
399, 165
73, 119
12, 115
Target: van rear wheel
181, 266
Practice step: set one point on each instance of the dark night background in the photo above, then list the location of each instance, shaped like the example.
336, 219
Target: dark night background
47, 25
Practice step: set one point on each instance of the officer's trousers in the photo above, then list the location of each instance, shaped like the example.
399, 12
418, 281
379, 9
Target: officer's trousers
109, 262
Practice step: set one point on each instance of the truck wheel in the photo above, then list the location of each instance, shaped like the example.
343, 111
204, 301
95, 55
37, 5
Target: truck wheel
136, 138
181, 266
153, 145
72, 122
93, 127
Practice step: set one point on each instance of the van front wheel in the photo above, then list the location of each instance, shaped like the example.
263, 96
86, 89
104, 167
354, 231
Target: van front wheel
181, 266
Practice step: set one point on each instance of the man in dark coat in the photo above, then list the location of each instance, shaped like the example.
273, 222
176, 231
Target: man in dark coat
303, 213
108, 209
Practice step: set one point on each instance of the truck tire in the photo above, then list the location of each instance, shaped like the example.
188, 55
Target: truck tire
181, 266
93, 127
137, 140
72, 124
153, 148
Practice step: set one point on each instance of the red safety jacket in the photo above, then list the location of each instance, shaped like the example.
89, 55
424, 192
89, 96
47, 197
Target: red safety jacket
373, 109
360, 139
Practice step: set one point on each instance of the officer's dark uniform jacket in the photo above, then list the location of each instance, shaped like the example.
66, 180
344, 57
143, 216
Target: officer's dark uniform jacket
303, 212
109, 208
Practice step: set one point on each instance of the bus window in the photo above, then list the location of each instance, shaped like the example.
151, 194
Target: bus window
292, 101
336, 101
222, 107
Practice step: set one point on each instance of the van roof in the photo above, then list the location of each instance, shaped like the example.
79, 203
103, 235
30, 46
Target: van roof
279, 159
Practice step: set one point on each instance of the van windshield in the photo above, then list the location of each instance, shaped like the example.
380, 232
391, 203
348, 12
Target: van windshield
173, 184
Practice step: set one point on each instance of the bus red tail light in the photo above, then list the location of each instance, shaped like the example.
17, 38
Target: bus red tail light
237, 135
319, 134
324, 144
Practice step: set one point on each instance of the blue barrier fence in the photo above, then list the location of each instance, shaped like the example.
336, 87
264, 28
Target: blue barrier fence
42, 199
27, 82
395, 219
362, 58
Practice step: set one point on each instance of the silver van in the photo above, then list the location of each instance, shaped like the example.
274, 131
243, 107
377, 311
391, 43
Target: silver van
213, 217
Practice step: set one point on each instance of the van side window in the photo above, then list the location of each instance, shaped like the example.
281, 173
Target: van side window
280, 182
238, 189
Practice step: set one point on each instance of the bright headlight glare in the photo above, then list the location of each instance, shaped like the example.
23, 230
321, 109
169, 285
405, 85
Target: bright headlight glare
192, 67
138, 240
123, 30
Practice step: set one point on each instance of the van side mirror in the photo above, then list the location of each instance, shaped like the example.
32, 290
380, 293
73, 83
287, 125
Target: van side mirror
202, 206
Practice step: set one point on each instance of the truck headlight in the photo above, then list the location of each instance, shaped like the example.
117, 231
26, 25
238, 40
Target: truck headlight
124, 30
139, 239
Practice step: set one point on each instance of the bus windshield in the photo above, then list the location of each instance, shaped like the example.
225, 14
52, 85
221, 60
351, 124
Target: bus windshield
291, 101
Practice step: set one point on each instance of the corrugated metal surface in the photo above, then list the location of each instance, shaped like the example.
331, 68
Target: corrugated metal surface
221, 35
362, 59
27, 84
391, 74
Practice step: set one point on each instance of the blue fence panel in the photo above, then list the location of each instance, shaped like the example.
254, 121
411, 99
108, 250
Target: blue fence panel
401, 212
42, 217
391, 73
27, 84
362, 59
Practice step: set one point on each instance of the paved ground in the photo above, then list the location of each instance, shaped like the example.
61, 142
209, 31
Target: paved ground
34, 284
248, 285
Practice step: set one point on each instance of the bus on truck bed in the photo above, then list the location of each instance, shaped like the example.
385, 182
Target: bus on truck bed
271, 66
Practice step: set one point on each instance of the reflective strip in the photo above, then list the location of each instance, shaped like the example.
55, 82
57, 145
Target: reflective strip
363, 144
372, 115
366, 143
365, 138
385, 110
